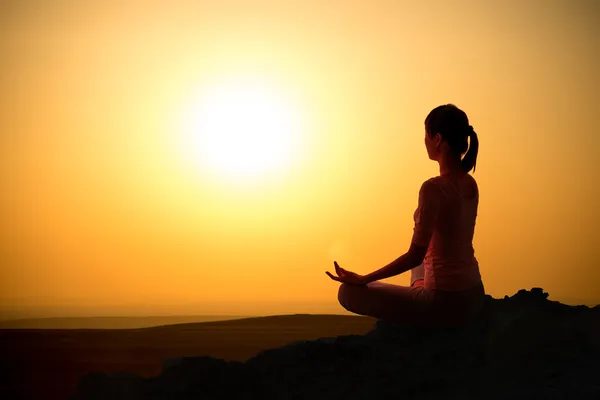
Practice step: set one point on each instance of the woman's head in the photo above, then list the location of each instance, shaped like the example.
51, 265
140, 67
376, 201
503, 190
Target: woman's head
447, 129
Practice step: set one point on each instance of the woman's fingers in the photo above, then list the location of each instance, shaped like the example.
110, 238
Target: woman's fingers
338, 269
335, 278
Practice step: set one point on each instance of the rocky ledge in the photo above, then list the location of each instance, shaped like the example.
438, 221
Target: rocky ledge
522, 347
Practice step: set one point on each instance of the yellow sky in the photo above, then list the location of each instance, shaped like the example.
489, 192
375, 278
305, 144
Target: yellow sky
100, 215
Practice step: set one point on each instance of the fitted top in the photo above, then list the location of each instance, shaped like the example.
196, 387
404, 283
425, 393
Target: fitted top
445, 223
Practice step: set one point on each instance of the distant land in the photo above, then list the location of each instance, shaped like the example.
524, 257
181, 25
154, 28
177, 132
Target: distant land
46, 364
111, 322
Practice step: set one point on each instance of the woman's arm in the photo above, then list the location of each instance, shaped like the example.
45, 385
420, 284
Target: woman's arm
411, 259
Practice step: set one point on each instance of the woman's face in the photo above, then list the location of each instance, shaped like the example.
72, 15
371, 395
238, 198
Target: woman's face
431, 144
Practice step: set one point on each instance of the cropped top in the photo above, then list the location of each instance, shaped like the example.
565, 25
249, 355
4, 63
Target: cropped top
445, 223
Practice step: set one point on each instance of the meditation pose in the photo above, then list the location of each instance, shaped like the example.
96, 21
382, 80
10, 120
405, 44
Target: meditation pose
445, 286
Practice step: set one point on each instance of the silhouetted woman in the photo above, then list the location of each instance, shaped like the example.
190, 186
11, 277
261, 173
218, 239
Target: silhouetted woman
446, 286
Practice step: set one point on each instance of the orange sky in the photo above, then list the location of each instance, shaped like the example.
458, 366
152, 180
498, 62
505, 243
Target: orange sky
100, 215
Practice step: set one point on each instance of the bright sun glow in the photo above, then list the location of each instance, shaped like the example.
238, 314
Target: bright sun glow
241, 129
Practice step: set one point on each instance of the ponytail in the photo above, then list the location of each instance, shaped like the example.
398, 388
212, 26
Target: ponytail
470, 159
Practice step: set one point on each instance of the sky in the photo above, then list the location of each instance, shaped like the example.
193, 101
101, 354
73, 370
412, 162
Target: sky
108, 207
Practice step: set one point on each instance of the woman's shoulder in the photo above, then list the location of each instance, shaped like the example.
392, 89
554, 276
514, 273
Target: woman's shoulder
434, 182
432, 187
430, 182
445, 185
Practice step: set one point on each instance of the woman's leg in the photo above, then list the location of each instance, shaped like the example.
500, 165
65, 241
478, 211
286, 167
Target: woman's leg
385, 301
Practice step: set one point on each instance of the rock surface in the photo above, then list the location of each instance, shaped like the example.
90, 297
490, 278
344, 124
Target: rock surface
521, 347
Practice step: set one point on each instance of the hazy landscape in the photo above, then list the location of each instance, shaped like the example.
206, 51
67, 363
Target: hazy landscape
109, 322
46, 364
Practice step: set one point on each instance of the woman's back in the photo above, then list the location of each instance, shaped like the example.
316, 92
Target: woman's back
450, 262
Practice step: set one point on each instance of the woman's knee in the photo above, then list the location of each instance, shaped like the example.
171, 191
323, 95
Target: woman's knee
345, 295
351, 296
342, 295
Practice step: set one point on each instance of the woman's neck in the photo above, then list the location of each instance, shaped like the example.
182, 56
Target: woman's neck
450, 165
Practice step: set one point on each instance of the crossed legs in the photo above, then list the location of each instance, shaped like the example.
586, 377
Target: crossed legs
410, 304
386, 301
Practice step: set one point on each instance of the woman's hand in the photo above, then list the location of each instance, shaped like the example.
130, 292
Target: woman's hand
348, 277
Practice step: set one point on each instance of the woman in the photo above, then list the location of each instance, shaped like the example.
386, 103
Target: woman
446, 286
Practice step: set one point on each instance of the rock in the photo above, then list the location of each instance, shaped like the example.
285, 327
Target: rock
523, 346
117, 386
194, 376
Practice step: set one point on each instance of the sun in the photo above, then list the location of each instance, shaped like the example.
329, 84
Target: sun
241, 129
